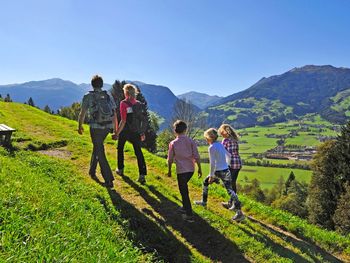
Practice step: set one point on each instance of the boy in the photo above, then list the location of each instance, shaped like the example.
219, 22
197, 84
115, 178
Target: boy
184, 152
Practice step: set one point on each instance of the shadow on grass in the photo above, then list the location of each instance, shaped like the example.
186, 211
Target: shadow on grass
305, 247
145, 233
200, 234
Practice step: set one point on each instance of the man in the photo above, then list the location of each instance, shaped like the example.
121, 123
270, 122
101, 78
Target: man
102, 117
126, 132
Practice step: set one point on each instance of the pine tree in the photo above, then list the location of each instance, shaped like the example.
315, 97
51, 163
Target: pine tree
331, 174
31, 102
290, 179
322, 191
47, 109
342, 213
8, 98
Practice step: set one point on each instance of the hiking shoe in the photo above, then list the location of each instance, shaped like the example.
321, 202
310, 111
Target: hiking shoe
187, 218
120, 172
228, 205
238, 217
200, 203
142, 179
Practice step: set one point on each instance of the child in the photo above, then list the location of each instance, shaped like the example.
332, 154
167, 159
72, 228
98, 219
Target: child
219, 169
230, 143
184, 152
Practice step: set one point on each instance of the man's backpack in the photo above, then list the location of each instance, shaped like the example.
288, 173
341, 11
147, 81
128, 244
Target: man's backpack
136, 120
101, 109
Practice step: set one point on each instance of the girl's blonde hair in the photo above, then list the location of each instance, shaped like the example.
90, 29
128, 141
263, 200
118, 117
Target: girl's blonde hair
230, 131
211, 134
131, 90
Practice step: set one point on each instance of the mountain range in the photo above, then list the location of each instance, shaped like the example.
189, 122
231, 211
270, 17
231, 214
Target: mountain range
201, 100
323, 90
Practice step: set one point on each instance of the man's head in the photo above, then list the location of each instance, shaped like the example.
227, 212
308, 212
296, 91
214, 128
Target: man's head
97, 82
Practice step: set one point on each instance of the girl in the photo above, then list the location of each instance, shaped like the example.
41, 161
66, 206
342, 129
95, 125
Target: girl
219, 169
230, 143
184, 152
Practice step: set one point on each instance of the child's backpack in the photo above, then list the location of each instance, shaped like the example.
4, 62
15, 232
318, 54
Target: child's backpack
137, 120
101, 109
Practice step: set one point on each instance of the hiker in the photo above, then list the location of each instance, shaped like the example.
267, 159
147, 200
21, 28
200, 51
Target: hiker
102, 119
218, 157
183, 151
131, 128
230, 143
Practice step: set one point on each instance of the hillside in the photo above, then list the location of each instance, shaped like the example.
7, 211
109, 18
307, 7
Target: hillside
201, 100
52, 211
309, 89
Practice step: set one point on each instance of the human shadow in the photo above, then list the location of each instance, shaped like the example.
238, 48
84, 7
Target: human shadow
307, 247
278, 249
201, 235
145, 233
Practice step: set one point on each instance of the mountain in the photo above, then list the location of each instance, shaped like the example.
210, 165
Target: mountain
309, 89
201, 100
53, 92
160, 99
57, 93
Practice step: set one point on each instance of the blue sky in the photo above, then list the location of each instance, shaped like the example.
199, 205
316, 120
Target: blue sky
216, 47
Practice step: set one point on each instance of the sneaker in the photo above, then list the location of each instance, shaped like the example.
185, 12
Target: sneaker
187, 218
200, 203
228, 205
238, 217
142, 179
120, 172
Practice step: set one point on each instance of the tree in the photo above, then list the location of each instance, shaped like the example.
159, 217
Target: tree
342, 214
331, 175
8, 98
71, 112
186, 111
322, 191
294, 201
163, 140
31, 102
290, 179
47, 109
254, 190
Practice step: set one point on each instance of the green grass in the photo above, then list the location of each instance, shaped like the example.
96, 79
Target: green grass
51, 211
49, 215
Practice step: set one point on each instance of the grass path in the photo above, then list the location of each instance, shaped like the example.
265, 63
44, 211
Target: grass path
150, 211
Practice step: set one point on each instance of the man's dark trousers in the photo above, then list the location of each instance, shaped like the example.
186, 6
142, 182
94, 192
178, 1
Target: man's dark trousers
98, 154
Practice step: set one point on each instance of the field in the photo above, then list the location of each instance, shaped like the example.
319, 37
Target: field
51, 211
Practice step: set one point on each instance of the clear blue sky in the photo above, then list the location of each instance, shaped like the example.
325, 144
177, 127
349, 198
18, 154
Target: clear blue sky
216, 47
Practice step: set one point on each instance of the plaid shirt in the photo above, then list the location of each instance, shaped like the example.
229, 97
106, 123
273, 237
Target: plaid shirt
232, 147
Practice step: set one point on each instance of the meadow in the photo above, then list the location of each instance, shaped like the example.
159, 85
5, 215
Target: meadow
52, 211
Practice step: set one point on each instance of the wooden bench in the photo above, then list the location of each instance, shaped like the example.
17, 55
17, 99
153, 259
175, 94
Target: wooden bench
5, 134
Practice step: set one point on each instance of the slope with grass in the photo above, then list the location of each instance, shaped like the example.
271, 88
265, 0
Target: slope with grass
52, 211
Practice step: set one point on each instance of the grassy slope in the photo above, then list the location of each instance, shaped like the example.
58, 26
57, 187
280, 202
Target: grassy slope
149, 212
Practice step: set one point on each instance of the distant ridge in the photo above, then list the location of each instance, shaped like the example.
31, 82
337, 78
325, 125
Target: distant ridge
201, 100
308, 89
